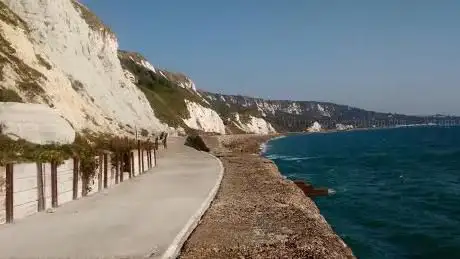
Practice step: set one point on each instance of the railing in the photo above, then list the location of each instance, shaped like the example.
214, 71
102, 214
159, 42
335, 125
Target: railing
28, 188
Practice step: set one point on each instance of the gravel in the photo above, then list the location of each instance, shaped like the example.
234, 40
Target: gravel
259, 214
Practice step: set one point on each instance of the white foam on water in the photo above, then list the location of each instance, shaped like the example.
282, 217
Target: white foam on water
276, 138
331, 191
263, 148
290, 158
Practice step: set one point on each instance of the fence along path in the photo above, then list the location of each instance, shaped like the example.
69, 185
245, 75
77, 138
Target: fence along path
28, 188
142, 216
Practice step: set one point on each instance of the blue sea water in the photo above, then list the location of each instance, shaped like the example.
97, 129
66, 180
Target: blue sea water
397, 190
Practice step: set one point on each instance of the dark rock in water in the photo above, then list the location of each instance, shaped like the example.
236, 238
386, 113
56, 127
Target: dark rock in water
311, 191
197, 143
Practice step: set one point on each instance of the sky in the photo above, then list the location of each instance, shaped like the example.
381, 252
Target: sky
389, 56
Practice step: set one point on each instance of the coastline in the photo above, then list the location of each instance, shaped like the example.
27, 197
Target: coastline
258, 213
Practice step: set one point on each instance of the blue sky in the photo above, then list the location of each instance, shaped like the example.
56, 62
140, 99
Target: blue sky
392, 55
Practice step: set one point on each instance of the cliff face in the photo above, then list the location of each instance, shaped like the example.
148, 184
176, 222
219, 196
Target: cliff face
57, 52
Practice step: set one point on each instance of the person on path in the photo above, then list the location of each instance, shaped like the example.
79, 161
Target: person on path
165, 140
156, 143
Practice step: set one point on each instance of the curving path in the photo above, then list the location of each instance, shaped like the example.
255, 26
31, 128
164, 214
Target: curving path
150, 215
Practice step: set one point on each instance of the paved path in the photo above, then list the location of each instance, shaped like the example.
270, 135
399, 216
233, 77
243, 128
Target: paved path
141, 217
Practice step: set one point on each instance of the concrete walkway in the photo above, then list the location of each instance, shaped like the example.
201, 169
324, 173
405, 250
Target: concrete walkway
150, 215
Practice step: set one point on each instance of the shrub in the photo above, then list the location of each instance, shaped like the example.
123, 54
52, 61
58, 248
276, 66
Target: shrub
8, 95
43, 62
144, 133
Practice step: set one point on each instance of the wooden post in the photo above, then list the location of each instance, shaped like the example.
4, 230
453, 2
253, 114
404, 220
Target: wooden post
75, 178
84, 184
148, 158
106, 164
151, 158
117, 169
128, 156
40, 190
139, 155
54, 190
9, 194
122, 167
99, 175
132, 162
155, 157
142, 155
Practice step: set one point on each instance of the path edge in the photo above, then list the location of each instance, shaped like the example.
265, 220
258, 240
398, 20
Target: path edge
175, 247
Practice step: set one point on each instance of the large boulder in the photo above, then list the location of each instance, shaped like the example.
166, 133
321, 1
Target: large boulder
36, 123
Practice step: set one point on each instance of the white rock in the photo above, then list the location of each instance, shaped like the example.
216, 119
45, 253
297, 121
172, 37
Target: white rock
323, 111
254, 125
316, 127
203, 118
36, 123
343, 127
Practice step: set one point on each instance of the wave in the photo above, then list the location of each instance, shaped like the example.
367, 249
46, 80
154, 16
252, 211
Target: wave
263, 148
290, 158
276, 138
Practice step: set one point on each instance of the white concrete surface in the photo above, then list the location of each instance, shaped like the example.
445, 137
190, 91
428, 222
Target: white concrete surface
146, 216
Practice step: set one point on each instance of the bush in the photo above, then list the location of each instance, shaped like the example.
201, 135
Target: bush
197, 143
8, 95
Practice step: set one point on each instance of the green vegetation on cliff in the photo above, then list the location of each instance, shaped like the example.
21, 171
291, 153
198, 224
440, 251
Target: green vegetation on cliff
166, 97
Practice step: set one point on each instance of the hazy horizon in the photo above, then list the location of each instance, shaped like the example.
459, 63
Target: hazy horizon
387, 56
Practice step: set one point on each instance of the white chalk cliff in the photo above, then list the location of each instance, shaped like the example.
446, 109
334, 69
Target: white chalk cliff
254, 125
203, 118
77, 69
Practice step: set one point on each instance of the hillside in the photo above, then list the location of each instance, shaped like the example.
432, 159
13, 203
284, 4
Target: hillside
178, 104
286, 115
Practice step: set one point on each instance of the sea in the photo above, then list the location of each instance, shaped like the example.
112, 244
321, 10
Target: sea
397, 191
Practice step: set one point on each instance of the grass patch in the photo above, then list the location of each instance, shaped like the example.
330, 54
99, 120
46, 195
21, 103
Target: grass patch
144, 133
166, 98
29, 77
227, 110
31, 88
91, 19
76, 85
11, 18
9, 95
43, 62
